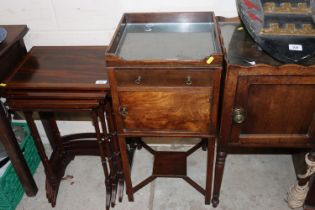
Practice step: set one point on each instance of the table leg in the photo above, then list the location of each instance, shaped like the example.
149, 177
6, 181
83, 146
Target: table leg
115, 150
218, 175
126, 166
12, 148
109, 154
54, 169
210, 159
309, 203
45, 116
101, 141
298, 192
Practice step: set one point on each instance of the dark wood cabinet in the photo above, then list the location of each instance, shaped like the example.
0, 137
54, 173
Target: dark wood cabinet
265, 104
165, 71
12, 51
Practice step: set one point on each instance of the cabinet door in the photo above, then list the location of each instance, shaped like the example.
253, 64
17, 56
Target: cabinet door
274, 110
166, 110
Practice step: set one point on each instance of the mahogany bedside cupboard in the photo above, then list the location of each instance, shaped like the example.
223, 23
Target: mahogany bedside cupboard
164, 71
265, 104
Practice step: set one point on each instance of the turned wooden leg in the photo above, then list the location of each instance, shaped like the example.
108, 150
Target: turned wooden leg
109, 155
95, 115
303, 181
218, 175
115, 150
12, 148
210, 160
126, 166
309, 203
51, 179
297, 195
119, 167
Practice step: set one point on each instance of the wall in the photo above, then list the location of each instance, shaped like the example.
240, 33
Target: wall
90, 22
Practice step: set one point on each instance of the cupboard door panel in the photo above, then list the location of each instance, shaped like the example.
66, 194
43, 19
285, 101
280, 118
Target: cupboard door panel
180, 111
277, 110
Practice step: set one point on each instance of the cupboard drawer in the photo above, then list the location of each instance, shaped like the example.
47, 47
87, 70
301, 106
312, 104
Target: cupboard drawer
164, 78
177, 111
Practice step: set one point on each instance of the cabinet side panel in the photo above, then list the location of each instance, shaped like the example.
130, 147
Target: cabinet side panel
11, 58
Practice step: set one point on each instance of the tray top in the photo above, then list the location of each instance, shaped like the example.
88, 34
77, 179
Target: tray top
241, 49
61, 68
167, 41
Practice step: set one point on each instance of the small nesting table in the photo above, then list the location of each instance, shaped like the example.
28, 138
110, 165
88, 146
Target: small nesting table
66, 79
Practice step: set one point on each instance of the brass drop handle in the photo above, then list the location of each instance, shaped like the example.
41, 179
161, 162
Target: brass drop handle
188, 80
238, 115
123, 111
138, 80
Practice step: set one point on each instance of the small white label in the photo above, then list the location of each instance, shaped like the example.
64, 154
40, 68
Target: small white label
101, 82
295, 47
252, 62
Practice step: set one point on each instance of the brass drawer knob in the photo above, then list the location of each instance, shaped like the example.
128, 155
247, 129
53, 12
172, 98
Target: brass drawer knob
188, 80
123, 111
238, 115
138, 80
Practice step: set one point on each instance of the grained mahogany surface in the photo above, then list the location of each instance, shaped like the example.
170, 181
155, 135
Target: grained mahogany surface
61, 68
187, 111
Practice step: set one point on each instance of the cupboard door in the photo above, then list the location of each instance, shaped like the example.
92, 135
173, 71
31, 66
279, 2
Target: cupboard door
274, 110
166, 110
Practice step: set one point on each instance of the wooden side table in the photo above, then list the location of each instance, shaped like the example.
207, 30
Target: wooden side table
165, 71
12, 51
265, 104
66, 79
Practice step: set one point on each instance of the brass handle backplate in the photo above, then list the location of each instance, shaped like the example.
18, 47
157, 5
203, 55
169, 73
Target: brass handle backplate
238, 115
123, 111
138, 80
188, 80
